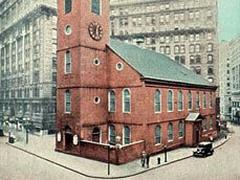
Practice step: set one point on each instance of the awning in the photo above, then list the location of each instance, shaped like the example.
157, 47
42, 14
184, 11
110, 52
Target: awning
194, 117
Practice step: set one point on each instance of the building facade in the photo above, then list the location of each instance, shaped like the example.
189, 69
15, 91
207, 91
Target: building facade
235, 78
28, 41
225, 80
116, 100
185, 30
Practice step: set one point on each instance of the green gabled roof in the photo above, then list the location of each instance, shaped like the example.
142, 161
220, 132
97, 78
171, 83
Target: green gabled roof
156, 66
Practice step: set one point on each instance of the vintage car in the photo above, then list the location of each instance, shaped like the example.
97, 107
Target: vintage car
203, 149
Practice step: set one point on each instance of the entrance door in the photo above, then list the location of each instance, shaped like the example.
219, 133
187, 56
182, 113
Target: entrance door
68, 140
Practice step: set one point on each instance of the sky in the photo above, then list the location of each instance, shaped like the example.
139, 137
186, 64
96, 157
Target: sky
229, 19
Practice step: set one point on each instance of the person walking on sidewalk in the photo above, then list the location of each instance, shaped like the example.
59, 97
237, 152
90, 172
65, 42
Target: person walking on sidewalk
143, 158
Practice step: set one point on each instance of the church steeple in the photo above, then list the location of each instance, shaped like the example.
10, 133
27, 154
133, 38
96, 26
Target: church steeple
84, 23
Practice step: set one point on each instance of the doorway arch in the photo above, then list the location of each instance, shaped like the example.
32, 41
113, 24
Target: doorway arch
68, 138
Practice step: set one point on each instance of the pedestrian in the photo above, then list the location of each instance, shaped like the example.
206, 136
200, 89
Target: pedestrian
147, 160
143, 158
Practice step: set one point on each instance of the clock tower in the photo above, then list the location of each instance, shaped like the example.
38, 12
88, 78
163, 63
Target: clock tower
83, 32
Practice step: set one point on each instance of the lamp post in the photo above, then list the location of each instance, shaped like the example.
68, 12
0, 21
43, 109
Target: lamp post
1, 126
117, 146
165, 153
26, 126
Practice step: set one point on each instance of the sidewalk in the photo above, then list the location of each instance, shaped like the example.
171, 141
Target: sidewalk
43, 147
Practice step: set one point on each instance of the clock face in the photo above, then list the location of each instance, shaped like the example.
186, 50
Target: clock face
95, 31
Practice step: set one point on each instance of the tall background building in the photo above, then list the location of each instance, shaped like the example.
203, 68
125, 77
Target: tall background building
28, 62
185, 30
225, 80
234, 49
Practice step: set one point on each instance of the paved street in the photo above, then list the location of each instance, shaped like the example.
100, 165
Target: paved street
15, 164
225, 164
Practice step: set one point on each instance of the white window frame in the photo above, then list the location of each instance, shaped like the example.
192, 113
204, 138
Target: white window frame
160, 99
180, 91
65, 62
155, 137
109, 100
181, 128
123, 135
109, 134
172, 101
65, 102
123, 101
170, 140
100, 6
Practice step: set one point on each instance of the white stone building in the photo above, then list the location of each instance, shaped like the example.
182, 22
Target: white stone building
235, 78
185, 30
225, 80
28, 62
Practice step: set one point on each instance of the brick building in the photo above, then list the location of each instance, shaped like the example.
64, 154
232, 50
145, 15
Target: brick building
118, 99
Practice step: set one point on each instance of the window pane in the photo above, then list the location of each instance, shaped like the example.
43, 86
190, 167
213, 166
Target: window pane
180, 101
157, 101
204, 100
96, 6
198, 101
189, 100
170, 100
158, 134
68, 62
170, 131
68, 6
126, 135
126, 99
111, 101
112, 134
67, 101
181, 129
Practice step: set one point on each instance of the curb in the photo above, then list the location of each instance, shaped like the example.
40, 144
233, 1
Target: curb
113, 177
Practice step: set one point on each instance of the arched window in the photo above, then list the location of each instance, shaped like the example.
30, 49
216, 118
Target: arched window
170, 131
96, 134
111, 101
198, 100
67, 6
158, 134
126, 135
180, 100
211, 122
189, 100
112, 134
211, 101
68, 62
126, 101
67, 103
204, 100
204, 125
170, 100
181, 129
157, 101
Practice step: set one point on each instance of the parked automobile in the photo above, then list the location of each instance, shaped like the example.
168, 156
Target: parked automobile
204, 149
